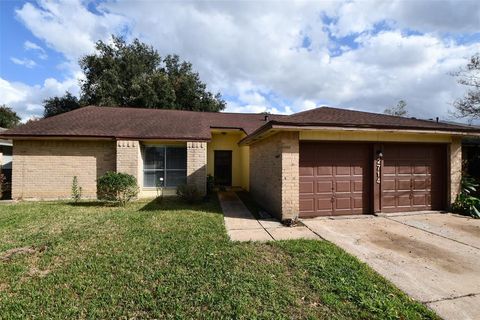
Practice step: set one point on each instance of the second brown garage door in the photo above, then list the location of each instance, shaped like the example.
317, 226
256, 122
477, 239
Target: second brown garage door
334, 178
413, 177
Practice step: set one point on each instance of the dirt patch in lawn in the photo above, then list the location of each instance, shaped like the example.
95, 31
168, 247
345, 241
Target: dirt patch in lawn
33, 256
9, 254
35, 272
3, 286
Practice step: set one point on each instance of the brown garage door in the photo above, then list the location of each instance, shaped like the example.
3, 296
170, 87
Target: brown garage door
334, 178
413, 177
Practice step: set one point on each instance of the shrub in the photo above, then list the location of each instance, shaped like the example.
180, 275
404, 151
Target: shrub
117, 186
189, 193
76, 190
466, 202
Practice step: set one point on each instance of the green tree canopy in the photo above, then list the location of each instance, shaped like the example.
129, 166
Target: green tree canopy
400, 110
57, 105
469, 105
134, 75
8, 118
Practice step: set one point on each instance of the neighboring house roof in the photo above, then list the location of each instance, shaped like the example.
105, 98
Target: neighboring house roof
4, 142
138, 123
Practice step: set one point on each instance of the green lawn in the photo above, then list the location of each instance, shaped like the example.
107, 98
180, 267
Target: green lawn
175, 261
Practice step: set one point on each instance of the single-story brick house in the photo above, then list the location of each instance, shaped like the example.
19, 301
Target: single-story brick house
325, 161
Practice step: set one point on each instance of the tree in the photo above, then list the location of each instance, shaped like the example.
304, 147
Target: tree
58, 105
469, 105
8, 118
134, 75
399, 110
33, 120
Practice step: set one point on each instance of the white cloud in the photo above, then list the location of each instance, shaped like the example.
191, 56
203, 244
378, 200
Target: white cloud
253, 53
68, 26
449, 16
260, 45
27, 100
28, 45
27, 63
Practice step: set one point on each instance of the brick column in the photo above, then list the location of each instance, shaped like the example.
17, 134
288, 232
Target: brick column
274, 171
455, 152
290, 175
128, 157
197, 165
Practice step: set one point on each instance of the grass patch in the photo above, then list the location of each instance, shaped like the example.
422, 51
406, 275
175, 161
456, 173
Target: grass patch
171, 260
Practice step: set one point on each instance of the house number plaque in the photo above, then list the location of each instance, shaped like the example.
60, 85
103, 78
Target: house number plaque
378, 167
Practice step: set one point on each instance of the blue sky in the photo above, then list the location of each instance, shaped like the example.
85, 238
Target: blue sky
14, 35
261, 56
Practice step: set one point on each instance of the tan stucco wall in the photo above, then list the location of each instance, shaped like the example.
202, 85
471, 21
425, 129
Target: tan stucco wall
240, 156
274, 174
245, 169
45, 169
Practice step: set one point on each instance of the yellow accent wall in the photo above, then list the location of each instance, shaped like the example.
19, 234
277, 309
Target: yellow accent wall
245, 169
228, 140
337, 135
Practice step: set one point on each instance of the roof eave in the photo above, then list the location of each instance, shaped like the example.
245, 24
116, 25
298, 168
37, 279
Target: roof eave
249, 138
274, 125
474, 132
94, 137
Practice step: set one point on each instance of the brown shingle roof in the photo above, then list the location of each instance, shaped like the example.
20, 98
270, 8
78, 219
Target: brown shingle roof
137, 123
327, 116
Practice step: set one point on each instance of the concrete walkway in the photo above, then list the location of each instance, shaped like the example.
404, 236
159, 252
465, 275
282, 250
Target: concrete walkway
241, 225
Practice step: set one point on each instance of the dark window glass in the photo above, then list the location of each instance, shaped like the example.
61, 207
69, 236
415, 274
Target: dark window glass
154, 158
176, 178
152, 178
176, 158
164, 166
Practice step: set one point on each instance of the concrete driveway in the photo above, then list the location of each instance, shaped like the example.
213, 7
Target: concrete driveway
434, 257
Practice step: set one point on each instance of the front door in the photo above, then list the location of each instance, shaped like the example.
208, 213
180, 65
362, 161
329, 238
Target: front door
223, 167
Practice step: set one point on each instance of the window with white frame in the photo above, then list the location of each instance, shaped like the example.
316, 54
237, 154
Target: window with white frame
164, 166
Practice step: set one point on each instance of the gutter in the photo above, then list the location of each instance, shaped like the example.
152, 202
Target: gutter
93, 137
